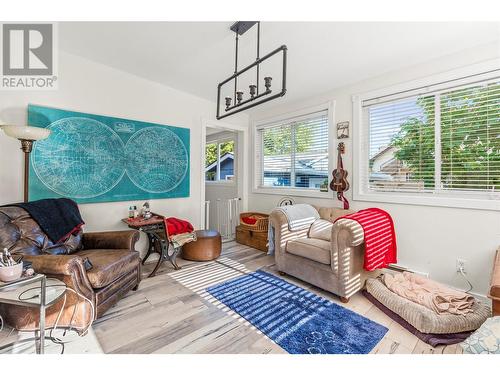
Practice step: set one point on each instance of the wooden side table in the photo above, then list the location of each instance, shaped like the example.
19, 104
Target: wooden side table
157, 234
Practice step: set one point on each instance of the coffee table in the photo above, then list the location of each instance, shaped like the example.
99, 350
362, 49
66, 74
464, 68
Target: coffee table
36, 291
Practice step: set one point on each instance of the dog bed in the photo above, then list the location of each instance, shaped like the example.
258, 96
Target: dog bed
424, 319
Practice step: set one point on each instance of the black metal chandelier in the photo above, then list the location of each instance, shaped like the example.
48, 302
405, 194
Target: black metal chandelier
237, 102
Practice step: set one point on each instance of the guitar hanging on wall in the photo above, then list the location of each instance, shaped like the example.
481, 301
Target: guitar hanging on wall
339, 182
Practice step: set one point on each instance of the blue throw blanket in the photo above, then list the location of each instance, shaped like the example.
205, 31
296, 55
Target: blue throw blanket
58, 218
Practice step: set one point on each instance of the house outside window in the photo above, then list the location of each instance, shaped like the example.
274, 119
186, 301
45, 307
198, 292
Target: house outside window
293, 153
220, 161
441, 142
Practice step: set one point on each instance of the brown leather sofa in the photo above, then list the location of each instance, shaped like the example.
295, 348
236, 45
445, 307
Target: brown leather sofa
114, 271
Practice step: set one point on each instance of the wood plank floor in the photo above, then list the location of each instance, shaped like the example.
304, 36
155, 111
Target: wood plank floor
172, 313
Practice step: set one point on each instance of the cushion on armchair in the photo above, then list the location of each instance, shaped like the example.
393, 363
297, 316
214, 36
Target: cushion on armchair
310, 248
108, 265
321, 229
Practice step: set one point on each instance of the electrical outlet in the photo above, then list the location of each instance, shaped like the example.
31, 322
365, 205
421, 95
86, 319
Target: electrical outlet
461, 265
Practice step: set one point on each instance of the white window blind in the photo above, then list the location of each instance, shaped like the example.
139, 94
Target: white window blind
293, 153
470, 138
440, 141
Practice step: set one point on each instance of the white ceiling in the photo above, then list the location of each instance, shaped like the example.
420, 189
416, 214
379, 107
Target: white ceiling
195, 56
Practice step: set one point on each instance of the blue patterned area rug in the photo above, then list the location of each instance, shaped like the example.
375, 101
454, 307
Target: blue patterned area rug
297, 320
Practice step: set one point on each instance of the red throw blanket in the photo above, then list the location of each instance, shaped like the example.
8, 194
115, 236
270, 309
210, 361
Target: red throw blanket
177, 226
380, 237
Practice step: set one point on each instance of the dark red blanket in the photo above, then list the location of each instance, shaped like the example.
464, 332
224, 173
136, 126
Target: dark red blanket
380, 237
177, 226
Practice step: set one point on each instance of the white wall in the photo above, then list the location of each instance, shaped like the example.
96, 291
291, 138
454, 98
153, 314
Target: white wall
89, 87
429, 238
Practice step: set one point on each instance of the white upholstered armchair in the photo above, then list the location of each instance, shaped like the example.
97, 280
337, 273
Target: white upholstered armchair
324, 254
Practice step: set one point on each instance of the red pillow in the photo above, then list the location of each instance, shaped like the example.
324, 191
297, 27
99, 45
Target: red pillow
177, 226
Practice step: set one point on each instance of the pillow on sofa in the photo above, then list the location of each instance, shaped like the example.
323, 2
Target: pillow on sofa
486, 340
321, 229
71, 245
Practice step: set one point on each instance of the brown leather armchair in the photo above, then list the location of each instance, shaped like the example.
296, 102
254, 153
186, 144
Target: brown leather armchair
112, 271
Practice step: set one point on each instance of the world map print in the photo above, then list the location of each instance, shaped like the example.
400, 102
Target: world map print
162, 165
82, 159
92, 158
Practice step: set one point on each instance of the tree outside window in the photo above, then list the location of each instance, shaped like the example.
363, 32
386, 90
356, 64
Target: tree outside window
219, 161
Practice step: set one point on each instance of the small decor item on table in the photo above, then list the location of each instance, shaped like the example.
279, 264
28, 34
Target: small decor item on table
146, 211
10, 269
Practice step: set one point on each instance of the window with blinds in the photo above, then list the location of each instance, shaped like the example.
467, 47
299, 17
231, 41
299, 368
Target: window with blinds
440, 141
293, 153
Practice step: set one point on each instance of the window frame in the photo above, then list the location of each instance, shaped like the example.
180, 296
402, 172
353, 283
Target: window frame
431, 84
218, 142
258, 145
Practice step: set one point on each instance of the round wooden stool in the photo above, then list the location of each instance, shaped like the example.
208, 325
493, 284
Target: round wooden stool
207, 246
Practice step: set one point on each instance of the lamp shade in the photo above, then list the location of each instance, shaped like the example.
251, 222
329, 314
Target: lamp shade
29, 133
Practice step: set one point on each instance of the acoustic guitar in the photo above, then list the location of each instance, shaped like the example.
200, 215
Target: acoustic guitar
339, 182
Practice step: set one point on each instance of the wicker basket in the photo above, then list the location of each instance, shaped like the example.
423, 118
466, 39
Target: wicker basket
260, 225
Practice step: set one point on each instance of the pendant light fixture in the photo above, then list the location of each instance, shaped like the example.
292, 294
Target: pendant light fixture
256, 95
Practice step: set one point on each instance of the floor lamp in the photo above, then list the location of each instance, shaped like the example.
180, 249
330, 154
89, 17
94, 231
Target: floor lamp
27, 135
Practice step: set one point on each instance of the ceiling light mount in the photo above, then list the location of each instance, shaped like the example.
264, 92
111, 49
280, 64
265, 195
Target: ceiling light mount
237, 103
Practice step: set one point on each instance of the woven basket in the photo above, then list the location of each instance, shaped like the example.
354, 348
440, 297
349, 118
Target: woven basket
260, 225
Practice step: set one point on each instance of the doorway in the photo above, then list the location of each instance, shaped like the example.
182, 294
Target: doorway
224, 178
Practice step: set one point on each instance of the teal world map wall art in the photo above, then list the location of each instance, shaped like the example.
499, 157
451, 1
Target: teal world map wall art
91, 158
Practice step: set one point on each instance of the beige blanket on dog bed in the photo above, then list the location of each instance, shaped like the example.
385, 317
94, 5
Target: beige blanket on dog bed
424, 319
426, 292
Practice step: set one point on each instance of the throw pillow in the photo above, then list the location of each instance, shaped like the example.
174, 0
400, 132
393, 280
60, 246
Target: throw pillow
71, 245
321, 229
486, 340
